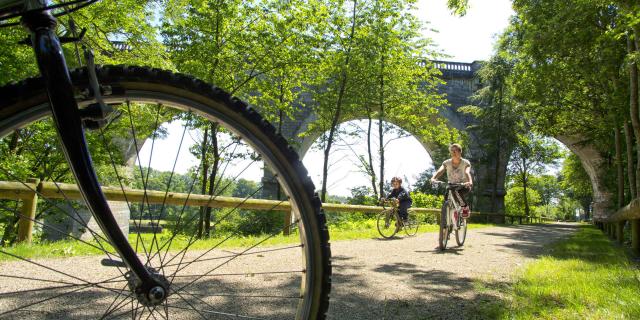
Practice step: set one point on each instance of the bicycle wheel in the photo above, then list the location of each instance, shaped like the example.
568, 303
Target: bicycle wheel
411, 227
443, 235
461, 232
387, 223
198, 222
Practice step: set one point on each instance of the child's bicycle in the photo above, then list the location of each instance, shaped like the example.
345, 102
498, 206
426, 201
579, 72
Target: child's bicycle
451, 219
389, 222
149, 281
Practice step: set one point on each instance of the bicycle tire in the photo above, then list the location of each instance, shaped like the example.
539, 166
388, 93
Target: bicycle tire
443, 234
411, 228
461, 232
387, 223
26, 103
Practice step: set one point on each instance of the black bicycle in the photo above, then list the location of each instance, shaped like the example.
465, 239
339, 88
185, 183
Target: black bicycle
183, 271
389, 222
451, 218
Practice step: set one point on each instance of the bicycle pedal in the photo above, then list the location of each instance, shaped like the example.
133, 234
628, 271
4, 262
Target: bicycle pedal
112, 263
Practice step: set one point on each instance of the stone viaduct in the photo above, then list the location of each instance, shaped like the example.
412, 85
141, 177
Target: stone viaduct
461, 82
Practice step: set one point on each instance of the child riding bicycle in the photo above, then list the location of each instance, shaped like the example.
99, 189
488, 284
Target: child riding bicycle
402, 198
458, 171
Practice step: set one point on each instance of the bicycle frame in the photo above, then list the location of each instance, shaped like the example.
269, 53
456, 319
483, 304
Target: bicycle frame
68, 122
453, 206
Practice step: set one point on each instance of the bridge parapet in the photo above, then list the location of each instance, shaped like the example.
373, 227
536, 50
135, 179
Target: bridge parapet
452, 69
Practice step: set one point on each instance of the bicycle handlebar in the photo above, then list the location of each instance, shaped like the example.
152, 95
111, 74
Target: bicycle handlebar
450, 184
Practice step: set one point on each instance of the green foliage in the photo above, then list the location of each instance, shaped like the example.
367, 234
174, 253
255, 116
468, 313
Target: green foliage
362, 195
458, 7
124, 21
423, 184
422, 200
560, 49
514, 201
575, 181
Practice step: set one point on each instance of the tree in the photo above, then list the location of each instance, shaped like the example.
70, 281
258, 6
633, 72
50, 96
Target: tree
549, 189
518, 201
575, 182
529, 157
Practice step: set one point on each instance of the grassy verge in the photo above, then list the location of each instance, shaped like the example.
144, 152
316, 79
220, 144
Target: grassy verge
583, 277
350, 231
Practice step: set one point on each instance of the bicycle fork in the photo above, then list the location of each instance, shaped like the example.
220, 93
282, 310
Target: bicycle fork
151, 289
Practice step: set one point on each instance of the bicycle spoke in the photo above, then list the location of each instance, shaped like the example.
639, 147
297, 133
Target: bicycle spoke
56, 229
244, 274
93, 233
235, 315
231, 315
224, 257
189, 303
144, 197
117, 306
191, 241
232, 258
44, 300
162, 207
132, 310
212, 198
218, 244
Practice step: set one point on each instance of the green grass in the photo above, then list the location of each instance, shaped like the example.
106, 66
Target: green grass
583, 277
345, 231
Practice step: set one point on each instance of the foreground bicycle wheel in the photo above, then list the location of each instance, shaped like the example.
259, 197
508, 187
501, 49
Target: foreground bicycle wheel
387, 223
443, 234
228, 261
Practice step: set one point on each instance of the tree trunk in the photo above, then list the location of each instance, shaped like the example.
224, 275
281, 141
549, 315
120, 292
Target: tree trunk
372, 172
380, 126
524, 187
631, 173
338, 109
494, 194
633, 106
212, 177
10, 231
620, 169
203, 186
13, 144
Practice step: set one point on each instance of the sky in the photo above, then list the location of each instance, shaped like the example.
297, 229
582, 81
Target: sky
462, 39
467, 38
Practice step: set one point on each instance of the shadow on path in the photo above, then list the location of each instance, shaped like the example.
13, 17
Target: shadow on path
411, 279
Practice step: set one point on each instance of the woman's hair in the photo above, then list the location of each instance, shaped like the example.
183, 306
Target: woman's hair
455, 146
396, 179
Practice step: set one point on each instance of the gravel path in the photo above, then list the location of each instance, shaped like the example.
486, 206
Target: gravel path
409, 278
403, 278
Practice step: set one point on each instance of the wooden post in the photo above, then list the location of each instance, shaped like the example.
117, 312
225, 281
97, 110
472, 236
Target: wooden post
635, 235
486, 218
28, 214
520, 219
620, 231
287, 223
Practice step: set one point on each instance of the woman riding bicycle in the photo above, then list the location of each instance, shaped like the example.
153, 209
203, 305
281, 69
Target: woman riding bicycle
458, 171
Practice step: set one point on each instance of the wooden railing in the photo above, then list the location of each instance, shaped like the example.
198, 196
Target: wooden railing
614, 225
29, 192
